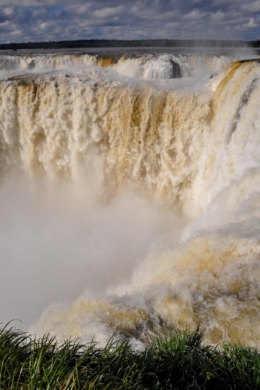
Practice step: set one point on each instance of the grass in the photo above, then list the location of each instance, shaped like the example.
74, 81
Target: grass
174, 361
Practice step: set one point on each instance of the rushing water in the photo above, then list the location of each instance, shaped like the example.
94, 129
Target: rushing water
130, 194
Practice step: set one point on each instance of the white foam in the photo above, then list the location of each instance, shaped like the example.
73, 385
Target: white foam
111, 161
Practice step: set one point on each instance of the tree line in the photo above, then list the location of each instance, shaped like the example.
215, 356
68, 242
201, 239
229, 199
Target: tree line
92, 43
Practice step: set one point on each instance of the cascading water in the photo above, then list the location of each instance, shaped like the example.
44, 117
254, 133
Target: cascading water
149, 155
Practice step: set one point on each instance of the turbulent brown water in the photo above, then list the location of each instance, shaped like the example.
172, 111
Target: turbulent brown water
131, 181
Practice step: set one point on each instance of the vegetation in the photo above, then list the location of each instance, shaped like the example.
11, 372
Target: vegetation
175, 361
96, 43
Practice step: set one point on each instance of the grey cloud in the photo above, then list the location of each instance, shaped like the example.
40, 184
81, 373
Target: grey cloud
37, 20
252, 7
195, 15
217, 16
8, 11
34, 3
105, 13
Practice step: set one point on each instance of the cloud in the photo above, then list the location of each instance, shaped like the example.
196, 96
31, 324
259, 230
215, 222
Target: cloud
108, 12
37, 20
251, 7
216, 16
194, 15
8, 11
33, 3
250, 24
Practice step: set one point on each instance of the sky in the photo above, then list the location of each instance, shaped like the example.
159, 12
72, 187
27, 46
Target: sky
54, 20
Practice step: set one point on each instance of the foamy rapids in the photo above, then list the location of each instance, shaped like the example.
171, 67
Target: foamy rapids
130, 195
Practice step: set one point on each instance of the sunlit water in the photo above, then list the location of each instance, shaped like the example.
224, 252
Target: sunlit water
129, 194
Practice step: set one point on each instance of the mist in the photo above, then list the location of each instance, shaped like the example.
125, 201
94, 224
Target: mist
52, 250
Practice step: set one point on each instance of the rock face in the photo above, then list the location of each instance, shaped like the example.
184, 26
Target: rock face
176, 70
